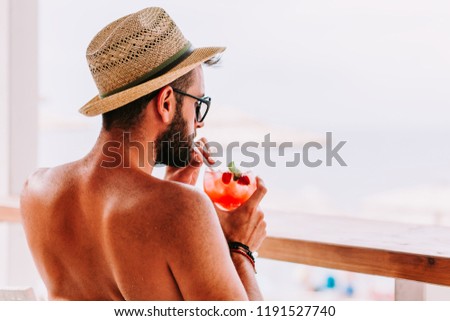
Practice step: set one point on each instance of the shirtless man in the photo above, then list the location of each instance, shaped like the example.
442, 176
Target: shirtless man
105, 230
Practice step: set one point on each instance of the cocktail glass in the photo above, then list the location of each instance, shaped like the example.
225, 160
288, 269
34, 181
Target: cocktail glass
225, 191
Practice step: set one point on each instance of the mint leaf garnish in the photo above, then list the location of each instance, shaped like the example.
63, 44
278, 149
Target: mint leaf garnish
234, 170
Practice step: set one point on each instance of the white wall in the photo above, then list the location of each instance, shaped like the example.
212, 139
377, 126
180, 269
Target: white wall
4, 131
3, 254
4, 103
23, 91
18, 93
18, 128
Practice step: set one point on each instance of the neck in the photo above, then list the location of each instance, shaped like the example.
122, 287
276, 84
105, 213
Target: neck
125, 149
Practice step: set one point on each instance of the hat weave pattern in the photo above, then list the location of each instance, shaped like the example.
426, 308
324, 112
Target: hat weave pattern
130, 47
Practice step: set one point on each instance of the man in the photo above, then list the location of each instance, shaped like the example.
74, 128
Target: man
102, 227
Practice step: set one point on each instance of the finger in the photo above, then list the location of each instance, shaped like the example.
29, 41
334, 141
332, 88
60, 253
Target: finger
207, 156
204, 141
259, 235
260, 214
260, 239
196, 158
202, 145
258, 195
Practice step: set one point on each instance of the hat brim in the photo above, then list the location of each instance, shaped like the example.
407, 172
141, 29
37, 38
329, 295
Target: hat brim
97, 105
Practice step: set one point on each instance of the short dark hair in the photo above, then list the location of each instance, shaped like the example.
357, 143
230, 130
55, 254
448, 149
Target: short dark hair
128, 116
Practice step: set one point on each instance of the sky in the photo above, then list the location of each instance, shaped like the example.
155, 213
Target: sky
314, 65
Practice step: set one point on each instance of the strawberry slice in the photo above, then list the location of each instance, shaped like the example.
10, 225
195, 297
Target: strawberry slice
244, 180
226, 177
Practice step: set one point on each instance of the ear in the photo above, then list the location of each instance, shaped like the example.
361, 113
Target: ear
166, 104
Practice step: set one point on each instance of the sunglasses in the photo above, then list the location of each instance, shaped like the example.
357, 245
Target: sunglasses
202, 106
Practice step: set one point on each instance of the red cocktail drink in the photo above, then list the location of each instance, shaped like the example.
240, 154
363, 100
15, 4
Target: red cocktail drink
228, 190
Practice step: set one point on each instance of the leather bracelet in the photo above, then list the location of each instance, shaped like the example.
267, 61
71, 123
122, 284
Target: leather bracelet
243, 249
246, 255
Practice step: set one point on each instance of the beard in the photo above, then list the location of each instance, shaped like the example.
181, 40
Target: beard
174, 146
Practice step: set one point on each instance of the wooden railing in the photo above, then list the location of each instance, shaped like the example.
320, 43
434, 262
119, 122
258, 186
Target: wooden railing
406, 252
9, 210
412, 254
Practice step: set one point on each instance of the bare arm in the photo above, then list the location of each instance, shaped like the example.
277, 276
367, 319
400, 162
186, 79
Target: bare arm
247, 276
246, 225
198, 255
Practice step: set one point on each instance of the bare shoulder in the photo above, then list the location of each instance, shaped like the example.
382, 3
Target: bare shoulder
32, 195
186, 199
41, 187
44, 178
164, 208
160, 218
192, 221
34, 186
36, 177
170, 214
189, 211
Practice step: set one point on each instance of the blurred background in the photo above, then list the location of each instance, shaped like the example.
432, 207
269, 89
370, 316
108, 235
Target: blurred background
375, 74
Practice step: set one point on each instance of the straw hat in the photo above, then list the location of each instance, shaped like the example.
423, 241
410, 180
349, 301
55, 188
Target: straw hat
138, 54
